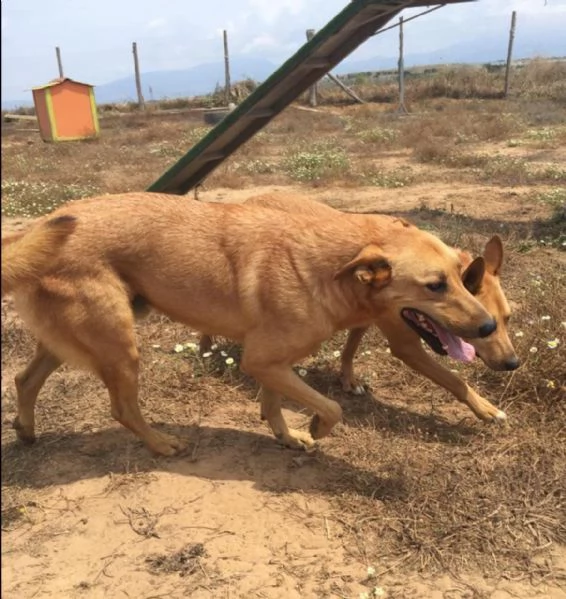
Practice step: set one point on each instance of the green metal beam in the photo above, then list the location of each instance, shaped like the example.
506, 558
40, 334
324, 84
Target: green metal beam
358, 21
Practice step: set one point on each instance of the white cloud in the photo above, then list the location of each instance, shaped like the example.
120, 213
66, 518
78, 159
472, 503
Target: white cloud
270, 11
158, 23
260, 42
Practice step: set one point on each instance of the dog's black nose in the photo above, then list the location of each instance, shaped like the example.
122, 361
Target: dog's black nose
487, 327
512, 363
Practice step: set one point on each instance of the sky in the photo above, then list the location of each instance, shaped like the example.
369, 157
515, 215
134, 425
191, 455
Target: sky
96, 37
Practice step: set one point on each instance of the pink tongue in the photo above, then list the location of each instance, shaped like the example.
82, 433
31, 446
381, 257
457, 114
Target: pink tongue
456, 348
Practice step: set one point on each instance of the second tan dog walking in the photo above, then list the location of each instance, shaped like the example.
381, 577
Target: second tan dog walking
403, 336
280, 286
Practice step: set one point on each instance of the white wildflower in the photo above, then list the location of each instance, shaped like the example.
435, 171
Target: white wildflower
207, 354
302, 372
545, 317
229, 361
371, 571
519, 334
179, 348
553, 343
533, 350
336, 354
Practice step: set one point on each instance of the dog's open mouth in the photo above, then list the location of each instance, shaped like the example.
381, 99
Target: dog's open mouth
439, 339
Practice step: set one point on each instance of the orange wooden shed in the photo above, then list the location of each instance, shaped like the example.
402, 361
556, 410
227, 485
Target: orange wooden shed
65, 110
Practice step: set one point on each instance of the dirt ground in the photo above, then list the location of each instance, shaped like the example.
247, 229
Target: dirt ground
88, 513
237, 517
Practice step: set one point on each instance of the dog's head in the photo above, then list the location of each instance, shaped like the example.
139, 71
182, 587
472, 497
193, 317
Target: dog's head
496, 350
418, 276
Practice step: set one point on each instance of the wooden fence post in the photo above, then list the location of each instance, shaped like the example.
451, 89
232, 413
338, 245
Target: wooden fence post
509, 53
59, 61
401, 68
141, 102
313, 87
226, 69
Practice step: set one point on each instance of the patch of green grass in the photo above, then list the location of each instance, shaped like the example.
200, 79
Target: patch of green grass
192, 136
392, 179
31, 199
553, 197
256, 167
543, 134
313, 162
377, 135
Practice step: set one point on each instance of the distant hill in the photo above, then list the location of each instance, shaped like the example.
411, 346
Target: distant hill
198, 80
194, 81
536, 42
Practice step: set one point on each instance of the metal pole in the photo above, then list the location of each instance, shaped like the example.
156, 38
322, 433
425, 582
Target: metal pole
59, 61
509, 53
141, 102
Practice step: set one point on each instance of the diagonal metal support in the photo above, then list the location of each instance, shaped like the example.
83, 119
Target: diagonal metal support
358, 21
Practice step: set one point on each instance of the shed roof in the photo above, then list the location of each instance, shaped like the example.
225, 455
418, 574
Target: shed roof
60, 80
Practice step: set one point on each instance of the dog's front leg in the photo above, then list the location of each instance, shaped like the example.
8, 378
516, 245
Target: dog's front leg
347, 377
279, 380
406, 345
271, 411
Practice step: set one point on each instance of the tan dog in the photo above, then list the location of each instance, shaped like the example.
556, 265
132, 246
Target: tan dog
496, 350
25, 257
280, 286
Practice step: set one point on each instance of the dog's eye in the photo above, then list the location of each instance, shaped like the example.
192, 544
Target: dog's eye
438, 286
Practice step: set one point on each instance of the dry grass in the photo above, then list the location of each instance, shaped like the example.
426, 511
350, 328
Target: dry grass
411, 477
414, 479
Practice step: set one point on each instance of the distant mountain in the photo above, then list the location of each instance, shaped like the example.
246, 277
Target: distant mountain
156, 85
198, 80
538, 41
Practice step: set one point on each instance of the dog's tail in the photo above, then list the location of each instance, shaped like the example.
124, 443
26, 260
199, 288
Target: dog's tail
26, 255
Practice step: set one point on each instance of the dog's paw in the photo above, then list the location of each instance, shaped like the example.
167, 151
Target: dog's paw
165, 445
297, 440
25, 434
501, 418
352, 386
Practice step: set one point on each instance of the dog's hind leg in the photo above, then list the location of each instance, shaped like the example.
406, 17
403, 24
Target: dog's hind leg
89, 323
28, 385
121, 379
347, 378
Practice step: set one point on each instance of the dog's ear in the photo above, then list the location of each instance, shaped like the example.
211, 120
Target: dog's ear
493, 255
369, 267
473, 275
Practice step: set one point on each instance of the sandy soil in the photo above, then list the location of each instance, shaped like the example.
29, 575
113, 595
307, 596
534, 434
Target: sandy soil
97, 517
